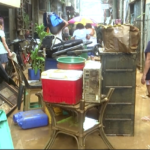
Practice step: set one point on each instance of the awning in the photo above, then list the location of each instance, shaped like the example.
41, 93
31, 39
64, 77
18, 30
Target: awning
10, 3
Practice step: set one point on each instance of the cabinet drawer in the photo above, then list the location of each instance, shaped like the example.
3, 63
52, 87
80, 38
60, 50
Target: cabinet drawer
116, 111
119, 79
119, 127
121, 95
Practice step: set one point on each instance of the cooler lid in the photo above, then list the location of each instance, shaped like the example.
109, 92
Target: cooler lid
59, 74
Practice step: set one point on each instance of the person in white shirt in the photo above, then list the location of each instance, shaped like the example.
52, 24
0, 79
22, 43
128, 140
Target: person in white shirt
80, 33
59, 34
4, 50
93, 38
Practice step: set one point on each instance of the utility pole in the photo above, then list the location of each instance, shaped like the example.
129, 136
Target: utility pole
120, 9
79, 6
115, 8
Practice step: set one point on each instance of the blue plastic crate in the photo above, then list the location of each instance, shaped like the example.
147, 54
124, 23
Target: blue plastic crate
50, 63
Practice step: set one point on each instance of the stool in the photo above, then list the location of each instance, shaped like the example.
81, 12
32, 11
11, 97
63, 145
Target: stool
28, 105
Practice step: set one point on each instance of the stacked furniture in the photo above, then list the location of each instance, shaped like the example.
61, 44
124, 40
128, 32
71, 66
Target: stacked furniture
63, 89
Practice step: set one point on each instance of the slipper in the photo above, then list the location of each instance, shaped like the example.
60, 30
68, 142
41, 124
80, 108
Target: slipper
146, 118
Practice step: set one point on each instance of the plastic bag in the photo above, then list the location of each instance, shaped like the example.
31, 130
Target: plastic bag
55, 20
55, 23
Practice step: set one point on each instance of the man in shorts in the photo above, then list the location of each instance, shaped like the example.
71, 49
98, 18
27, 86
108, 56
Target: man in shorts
146, 74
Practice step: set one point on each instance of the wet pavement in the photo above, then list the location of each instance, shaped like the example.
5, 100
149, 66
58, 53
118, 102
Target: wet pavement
37, 138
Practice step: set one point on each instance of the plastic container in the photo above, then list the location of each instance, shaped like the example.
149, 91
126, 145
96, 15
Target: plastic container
50, 63
32, 75
84, 55
62, 86
71, 63
17, 116
71, 60
71, 66
31, 119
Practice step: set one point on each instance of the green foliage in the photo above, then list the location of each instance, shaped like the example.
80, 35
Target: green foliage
37, 59
26, 20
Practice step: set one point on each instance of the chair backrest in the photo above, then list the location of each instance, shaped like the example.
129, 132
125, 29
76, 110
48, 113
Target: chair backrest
21, 75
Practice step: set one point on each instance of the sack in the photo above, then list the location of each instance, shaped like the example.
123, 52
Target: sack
121, 38
55, 23
134, 37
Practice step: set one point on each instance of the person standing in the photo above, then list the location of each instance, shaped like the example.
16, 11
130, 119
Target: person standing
59, 34
4, 50
93, 38
80, 33
146, 75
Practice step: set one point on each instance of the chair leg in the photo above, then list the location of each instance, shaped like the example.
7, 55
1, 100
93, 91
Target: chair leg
19, 97
24, 100
40, 100
27, 100
103, 136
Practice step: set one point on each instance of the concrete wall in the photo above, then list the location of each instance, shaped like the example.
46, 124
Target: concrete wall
11, 3
59, 8
56, 6
8, 14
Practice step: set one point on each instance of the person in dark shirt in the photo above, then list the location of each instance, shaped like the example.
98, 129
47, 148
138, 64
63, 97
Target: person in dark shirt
146, 74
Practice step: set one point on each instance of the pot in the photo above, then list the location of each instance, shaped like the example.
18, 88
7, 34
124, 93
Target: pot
32, 75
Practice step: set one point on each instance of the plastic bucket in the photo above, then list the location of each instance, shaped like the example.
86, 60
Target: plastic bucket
50, 63
70, 66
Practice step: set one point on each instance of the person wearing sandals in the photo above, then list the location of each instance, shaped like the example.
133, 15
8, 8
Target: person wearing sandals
146, 75
4, 50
